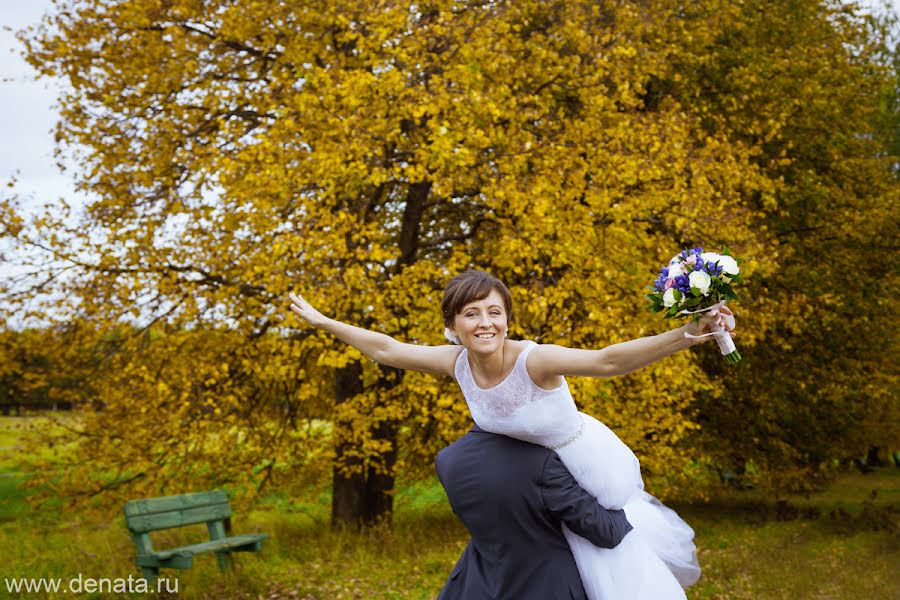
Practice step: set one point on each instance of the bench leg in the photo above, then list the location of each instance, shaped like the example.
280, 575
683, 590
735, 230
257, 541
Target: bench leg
225, 561
150, 574
217, 532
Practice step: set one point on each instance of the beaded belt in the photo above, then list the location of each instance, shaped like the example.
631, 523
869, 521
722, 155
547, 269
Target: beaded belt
571, 439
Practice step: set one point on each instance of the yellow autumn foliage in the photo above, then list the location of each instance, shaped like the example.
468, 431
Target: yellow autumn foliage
365, 153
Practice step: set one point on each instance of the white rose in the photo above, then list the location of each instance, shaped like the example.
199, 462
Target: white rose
728, 264
675, 269
729, 267
700, 280
669, 297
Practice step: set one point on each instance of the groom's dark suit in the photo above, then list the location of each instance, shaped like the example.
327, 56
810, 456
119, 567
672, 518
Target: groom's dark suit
512, 497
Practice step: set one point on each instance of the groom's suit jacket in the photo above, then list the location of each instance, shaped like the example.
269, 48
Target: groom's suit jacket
512, 496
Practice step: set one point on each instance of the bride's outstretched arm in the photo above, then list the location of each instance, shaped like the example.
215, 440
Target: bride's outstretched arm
547, 361
438, 360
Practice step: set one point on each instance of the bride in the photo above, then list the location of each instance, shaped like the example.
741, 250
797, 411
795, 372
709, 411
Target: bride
518, 389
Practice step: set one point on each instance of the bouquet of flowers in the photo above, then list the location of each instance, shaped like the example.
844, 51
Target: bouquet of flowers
694, 282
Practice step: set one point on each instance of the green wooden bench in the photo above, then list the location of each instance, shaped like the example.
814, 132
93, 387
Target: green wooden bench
169, 512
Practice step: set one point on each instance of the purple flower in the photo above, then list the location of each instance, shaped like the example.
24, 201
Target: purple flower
683, 284
660, 282
692, 252
712, 269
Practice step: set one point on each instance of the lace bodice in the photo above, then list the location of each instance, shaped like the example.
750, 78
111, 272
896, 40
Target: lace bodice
518, 408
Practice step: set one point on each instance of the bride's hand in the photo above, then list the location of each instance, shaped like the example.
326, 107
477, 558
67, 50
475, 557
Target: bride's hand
306, 312
711, 322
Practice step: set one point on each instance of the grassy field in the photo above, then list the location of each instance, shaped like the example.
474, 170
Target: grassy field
841, 543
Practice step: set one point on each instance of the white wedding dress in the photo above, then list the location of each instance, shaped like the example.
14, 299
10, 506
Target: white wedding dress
657, 558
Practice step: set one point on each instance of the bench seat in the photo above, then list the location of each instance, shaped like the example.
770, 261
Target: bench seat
250, 542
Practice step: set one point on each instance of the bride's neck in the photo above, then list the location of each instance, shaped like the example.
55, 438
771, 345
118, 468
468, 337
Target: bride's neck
490, 366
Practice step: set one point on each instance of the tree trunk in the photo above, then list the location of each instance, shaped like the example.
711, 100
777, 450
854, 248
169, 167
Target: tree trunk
366, 497
873, 458
380, 486
348, 491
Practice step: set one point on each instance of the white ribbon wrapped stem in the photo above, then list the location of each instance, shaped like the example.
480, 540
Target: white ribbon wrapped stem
722, 337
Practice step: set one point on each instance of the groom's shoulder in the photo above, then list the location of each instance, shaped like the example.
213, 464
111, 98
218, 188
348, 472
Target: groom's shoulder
476, 440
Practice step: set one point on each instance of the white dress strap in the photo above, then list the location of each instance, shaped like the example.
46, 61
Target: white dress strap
523, 355
531, 345
462, 364
523, 369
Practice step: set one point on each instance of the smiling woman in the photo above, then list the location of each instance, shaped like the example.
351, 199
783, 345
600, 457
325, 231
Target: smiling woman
517, 388
476, 300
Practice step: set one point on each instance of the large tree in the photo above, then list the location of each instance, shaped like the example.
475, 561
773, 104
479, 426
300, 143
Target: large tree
363, 154
811, 87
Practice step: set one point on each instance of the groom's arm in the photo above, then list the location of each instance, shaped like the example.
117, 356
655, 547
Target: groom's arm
579, 510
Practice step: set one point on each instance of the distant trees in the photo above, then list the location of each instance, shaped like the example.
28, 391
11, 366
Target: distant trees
31, 376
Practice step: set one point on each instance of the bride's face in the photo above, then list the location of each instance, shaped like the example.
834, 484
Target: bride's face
481, 325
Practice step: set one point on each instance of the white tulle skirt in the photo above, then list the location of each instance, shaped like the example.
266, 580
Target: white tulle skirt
658, 557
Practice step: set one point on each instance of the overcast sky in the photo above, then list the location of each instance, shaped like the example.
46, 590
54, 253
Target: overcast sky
27, 112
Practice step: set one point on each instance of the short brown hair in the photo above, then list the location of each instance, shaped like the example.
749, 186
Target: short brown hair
471, 286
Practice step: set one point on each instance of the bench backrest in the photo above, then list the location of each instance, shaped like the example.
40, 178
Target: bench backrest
167, 512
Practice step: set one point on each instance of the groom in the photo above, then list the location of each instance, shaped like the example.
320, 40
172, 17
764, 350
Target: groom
513, 496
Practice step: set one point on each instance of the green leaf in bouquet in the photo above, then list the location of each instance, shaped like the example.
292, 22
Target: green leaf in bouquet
693, 302
677, 295
726, 251
696, 292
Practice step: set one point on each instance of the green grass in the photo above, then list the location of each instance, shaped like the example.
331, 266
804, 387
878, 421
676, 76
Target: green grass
839, 543
11, 431
12, 497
